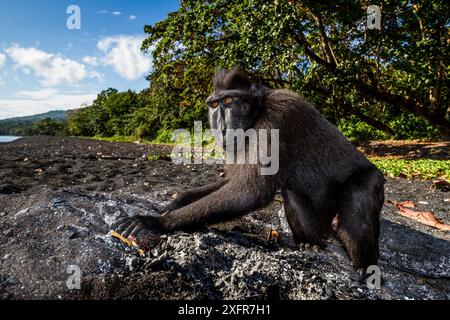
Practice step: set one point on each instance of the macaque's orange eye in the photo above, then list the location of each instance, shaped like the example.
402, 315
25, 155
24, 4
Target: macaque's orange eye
215, 104
228, 101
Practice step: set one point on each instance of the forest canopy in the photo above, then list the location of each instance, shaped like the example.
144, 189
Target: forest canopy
390, 82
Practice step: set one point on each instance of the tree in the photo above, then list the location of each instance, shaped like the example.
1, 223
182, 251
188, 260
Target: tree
321, 49
48, 127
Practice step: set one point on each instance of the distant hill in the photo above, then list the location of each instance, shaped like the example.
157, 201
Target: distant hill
52, 122
55, 115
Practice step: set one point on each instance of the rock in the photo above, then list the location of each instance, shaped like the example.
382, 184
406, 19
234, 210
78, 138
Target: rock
5, 296
133, 262
21, 212
12, 281
73, 235
104, 266
57, 202
6, 281
158, 261
77, 232
8, 232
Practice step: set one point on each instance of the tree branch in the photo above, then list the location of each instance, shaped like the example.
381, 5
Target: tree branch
356, 111
302, 41
406, 102
325, 42
370, 121
280, 81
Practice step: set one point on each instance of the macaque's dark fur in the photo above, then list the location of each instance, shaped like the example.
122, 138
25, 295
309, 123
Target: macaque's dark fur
321, 174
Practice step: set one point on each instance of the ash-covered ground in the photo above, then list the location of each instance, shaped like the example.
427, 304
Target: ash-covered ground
59, 196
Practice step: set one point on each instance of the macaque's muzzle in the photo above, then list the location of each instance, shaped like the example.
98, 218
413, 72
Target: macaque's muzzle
217, 122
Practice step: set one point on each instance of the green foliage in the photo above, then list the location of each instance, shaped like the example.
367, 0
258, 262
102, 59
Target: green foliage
46, 126
115, 138
114, 113
164, 136
356, 130
373, 84
409, 126
405, 126
423, 169
49, 127
319, 49
49, 123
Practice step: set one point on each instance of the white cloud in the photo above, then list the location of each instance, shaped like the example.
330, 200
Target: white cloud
98, 75
37, 94
2, 77
2, 59
91, 60
124, 54
114, 13
52, 68
41, 101
132, 17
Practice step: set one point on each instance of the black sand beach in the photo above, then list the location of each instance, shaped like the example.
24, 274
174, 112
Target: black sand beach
59, 196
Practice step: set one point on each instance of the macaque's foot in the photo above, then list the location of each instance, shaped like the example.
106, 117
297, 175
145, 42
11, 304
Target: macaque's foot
361, 272
137, 226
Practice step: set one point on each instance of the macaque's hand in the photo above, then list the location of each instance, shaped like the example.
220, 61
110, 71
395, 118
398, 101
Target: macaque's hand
173, 205
138, 226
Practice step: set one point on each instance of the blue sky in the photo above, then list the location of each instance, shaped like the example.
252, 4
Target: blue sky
46, 66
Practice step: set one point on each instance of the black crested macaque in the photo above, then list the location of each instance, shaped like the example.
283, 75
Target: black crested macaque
320, 174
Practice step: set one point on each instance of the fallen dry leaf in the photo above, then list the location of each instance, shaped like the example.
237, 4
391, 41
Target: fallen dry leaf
440, 184
407, 204
425, 217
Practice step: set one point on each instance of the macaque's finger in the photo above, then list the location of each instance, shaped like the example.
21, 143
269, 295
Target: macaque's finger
129, 229
120, 224
138, 228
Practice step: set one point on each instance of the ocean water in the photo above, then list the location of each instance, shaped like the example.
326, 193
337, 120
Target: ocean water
8, 138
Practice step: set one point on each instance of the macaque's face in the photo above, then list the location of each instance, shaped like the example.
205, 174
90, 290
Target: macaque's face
227, 113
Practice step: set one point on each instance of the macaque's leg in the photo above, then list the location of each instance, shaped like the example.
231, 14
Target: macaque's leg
304, 222
358, 230
187, 197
